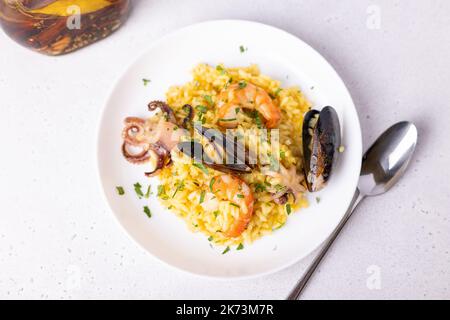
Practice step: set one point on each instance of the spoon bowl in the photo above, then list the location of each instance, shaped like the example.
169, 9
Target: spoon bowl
387, 159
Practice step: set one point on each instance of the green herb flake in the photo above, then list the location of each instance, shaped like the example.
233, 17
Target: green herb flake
288, 209
216, 213
180, 186
279, 227
138, 190
120, 190
201, 109
259, 187
202, 196
277, 92
318, 199
240, 196
202, 167
149, 192
257, 119
242, 84
146, 81
282, 154
235, 205
240, 246
210, 238
161, 191
208, 99
211, 184
227, 249
228, 120
221, 69
147, 211
242, 49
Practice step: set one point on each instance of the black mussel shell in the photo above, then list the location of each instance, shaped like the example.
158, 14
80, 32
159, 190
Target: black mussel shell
321, 141
195, 151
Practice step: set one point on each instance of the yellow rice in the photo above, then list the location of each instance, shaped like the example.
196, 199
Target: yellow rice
182, 183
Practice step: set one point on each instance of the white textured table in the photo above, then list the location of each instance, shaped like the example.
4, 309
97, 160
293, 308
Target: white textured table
59, 240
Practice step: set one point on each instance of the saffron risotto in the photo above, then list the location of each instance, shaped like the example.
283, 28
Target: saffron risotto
184, 187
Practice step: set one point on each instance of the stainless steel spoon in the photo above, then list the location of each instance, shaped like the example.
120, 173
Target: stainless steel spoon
382, 166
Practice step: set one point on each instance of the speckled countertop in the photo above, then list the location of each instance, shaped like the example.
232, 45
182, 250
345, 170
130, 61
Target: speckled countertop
59, 240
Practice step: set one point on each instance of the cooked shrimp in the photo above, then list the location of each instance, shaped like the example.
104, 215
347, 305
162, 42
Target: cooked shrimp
247, 96
233, 189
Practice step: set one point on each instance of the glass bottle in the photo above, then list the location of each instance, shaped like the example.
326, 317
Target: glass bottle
57, 27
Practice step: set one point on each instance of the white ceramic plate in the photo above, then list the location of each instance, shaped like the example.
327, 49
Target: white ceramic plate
169, 61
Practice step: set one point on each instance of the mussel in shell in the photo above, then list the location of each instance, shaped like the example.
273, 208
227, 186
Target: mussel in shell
321, 142
228, 154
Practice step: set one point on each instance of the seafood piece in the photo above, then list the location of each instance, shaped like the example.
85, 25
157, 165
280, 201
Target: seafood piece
321, 141
196, 151
169, 115
288, 181
149, 140
231, 188
247, 96
225, 153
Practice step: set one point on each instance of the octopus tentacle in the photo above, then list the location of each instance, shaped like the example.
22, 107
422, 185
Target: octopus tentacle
134, 129
162, 160
137, 158
165, 108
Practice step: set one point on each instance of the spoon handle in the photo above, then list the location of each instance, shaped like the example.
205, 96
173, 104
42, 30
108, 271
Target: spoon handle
295, 293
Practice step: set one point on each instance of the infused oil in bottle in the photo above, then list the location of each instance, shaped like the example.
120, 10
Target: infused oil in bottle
57, 27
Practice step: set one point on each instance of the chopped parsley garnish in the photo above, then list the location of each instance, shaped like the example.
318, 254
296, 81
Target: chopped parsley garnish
228, 120
317, 199
277, 92
288, 209
240, 246
234, 205
221, 69
280, 226
149, 192
210, 238
216, 213
180, 186
259, 187
202, 196
138, 190
282, 154
146, 81
279, 187
201, 167
211, 184
147, 211
201, 109
120, 190
242, 84
257, 119
242, 49
226, 250
162, 192
240, 196
208, 99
